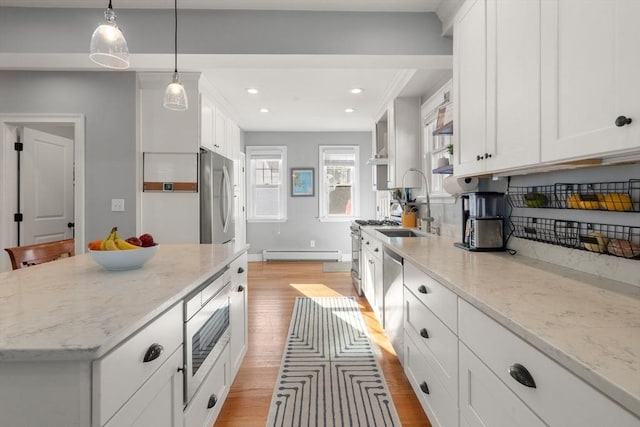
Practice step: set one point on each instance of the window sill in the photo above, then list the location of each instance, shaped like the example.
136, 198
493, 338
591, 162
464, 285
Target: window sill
259, 220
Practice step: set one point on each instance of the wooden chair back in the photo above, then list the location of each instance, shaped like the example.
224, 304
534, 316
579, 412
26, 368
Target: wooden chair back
24, 256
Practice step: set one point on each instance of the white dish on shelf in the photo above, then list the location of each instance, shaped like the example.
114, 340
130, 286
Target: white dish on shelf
124, 260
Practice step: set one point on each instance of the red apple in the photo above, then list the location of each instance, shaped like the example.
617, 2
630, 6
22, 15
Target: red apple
147, 240
134, 241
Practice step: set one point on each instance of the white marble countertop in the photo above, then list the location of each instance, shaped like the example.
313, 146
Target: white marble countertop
587, 324
74, 309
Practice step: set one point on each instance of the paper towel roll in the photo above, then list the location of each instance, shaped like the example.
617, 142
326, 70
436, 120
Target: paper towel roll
455, 186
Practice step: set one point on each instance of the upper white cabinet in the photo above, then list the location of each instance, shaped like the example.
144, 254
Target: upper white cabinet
403, 142
206, 122
590, 66
497, 85
544, 81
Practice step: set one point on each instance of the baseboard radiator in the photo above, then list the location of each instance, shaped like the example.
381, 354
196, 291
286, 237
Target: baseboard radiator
301, 255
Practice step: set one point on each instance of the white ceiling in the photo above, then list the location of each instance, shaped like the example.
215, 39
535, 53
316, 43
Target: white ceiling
306, 93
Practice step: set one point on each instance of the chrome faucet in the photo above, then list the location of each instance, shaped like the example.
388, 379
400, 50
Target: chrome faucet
429, 218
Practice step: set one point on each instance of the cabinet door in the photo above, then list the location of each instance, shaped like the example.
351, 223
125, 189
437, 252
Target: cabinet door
513, 84
470, 87
239, 327
486, 401
403, 120
206, 122
367, 278
590, 69
220, 132
158, 402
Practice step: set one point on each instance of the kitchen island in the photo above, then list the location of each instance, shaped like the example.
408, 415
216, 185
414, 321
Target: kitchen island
59, 319
587, 325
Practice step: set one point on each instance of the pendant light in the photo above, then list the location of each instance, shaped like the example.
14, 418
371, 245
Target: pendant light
175, 97
108, 46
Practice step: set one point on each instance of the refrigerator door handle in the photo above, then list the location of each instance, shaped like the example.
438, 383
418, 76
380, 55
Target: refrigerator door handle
227, 198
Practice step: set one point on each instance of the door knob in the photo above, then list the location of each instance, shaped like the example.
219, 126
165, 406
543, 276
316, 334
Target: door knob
71, 224
622, 120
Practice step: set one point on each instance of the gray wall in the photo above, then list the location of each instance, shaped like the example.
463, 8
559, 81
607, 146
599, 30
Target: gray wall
302, 212
228, 31
108, 101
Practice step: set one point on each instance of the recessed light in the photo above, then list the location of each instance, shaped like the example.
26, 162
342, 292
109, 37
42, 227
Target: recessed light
356, 90
349, 110
264, 110
252, 90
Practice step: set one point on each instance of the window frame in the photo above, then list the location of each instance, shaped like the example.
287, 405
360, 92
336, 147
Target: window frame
260, 150
323, 208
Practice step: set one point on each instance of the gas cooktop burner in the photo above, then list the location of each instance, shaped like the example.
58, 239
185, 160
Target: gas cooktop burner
376, 222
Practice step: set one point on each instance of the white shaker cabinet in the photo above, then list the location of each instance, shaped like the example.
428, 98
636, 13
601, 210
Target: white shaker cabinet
403, 142
590, 78
206, 122
497, 93
239, 320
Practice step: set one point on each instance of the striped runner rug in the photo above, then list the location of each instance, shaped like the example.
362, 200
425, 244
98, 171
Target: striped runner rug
329, 375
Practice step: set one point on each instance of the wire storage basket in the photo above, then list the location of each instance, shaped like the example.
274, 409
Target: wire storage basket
542, 196
621, 196
545, 230
618, 240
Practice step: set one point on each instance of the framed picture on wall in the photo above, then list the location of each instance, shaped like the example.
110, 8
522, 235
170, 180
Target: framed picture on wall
302, 182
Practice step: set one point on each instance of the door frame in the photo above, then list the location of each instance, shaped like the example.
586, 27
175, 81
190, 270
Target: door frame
7, 174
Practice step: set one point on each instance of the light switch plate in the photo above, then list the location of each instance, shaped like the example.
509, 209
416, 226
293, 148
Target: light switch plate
117, 205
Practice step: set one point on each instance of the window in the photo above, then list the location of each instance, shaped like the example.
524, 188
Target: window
338, 182
267, 184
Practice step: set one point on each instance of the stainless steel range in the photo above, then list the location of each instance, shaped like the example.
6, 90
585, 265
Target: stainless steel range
356, 246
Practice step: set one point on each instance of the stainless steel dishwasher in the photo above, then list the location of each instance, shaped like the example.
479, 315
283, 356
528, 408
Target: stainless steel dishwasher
393, 302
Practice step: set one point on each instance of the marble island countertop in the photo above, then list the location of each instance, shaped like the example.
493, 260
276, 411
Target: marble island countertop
587, 324
74, 309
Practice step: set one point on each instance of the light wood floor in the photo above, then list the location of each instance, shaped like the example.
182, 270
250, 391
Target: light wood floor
273, 287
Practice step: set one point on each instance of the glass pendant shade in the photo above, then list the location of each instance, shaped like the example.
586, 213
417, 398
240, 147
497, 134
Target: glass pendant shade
175, 97
108, 45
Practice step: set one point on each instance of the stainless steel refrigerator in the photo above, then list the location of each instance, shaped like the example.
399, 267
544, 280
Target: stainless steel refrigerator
216, 198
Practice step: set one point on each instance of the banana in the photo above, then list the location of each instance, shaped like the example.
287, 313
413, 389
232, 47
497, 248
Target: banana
111, 245
124, 245
112, 235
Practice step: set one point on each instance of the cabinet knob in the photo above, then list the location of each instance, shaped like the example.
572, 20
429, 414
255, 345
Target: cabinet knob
213, 399
424, 387
376, 250
153, 352
479, 157
240, 270
424, 333
622, 120
487, 155
240, 288
367, 242
422, 289
522, 375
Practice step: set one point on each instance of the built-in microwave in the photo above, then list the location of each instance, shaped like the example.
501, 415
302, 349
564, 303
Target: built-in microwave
206, 327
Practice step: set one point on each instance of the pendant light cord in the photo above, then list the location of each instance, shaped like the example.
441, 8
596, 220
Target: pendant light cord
175, 50
110, 7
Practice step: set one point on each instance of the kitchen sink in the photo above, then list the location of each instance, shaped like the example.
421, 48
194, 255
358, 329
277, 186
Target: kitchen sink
401, 232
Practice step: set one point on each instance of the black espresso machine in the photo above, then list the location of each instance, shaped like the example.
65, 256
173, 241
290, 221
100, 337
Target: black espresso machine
482, 221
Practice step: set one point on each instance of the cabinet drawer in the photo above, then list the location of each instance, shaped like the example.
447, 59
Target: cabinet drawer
120, 373
238, 271
440, 406
486, 401
440, 300
432, 336
374, 246
208, 400
559, 398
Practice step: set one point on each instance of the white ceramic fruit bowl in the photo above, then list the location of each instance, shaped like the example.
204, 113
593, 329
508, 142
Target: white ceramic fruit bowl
124, 260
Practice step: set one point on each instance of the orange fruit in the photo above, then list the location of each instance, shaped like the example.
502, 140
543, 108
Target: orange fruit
94, 245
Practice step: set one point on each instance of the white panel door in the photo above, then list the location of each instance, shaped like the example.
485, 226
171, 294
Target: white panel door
46, 187
470, 87
590, 69
513, 84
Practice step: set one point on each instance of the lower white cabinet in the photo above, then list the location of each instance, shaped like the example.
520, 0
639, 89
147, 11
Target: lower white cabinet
158, 402
205, 405
239, 320
486, 401
554, 394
